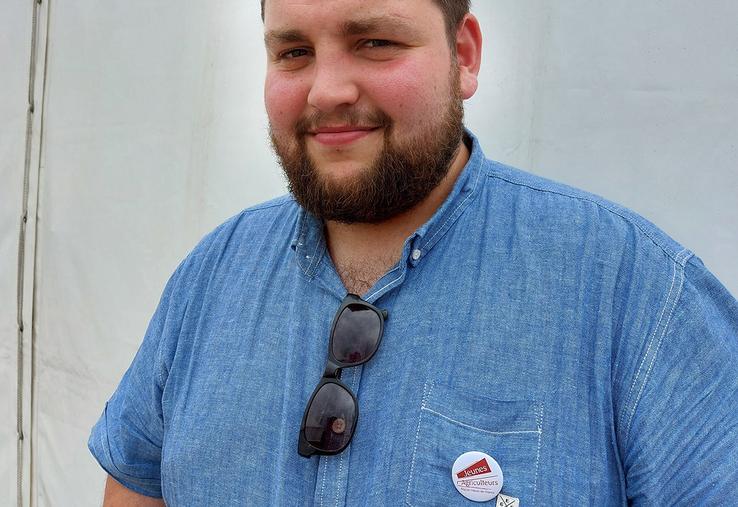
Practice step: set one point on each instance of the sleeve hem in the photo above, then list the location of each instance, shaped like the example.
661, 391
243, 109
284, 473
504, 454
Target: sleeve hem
100, 450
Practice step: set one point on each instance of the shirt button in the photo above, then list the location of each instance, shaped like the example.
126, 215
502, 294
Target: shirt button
416, 254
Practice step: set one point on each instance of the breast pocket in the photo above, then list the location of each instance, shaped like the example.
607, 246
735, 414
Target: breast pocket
454, 421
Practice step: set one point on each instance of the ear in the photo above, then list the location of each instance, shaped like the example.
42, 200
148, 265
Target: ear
469, 54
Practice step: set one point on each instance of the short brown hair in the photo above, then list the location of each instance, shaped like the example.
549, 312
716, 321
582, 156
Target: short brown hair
453, 12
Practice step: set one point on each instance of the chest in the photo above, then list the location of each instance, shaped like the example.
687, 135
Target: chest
445, 381
360, 274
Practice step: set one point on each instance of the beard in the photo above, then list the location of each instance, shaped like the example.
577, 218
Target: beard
402, 175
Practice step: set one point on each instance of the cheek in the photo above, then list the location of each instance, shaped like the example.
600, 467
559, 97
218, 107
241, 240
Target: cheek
409, 92
284, 99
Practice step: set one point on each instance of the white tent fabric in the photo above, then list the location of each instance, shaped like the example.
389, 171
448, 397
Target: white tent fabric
154, 132
15, 51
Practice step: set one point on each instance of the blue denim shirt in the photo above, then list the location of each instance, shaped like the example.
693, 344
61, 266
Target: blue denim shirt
591, 355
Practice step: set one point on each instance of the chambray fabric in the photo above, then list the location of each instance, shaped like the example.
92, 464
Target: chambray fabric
591, 355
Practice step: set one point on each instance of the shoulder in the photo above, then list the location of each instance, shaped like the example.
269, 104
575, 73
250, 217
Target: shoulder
574, 211
257, 219
253, 231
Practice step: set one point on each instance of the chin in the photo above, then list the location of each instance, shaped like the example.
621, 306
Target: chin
341, 173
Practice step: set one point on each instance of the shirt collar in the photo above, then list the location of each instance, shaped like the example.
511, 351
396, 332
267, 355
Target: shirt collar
463, 193
308, 241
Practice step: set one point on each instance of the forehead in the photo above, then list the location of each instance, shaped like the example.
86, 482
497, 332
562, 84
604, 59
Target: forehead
325, 14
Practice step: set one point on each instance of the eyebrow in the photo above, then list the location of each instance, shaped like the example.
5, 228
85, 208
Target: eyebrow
362, 26
274, 37
349, 28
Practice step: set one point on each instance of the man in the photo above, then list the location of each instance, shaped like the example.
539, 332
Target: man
516, 340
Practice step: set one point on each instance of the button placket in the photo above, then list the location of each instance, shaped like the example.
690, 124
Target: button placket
333, 471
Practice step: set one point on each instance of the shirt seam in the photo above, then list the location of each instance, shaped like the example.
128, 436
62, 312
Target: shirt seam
371, 296
427, 390
314, 258
339, 486
324, 460
344, 482
130, 481
538, 451
280, 201
482, 430
602, 205
657, 337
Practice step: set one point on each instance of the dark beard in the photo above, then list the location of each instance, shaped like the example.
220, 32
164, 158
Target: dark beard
401, 177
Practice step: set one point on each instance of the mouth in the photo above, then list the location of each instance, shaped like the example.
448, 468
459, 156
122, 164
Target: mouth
340, 135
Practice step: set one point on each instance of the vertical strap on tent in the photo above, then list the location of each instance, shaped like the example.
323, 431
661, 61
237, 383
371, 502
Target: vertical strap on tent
23, 330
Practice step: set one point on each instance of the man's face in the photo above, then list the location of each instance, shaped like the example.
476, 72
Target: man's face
363, 101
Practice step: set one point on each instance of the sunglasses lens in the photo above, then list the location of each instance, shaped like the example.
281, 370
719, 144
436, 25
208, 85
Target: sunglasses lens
356, 335
330, 419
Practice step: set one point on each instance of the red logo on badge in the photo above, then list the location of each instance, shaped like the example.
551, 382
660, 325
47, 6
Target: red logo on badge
480, 467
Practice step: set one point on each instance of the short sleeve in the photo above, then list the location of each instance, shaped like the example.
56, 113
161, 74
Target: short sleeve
682, 444
127, 439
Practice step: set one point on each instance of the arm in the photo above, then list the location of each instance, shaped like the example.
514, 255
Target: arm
127, 438
117, 495
683, 442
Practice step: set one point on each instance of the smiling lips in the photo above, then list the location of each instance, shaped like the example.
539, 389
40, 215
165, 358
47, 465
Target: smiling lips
337, 136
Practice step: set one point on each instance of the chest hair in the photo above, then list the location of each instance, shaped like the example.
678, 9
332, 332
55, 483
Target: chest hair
360, 275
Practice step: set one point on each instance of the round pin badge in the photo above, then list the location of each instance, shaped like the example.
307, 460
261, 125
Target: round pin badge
477, 476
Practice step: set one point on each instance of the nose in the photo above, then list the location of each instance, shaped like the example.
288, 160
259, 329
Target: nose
332, 86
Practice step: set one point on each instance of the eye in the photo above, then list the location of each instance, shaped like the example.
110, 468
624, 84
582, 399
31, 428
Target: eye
377, 43
292, 54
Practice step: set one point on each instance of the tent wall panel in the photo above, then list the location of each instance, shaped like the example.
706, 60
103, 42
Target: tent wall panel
18, 134
153, 135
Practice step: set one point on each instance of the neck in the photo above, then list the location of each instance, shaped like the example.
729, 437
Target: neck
380, 244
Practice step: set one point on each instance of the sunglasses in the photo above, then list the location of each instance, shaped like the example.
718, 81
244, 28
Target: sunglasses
330, 416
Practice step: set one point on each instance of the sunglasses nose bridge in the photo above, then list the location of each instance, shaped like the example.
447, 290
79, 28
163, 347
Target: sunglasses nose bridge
332, 370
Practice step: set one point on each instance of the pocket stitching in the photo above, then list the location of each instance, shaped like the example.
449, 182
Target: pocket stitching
426, 395
427, 391
538, 450
519, 432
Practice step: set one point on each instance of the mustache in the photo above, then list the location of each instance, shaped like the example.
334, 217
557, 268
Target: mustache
351, 117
